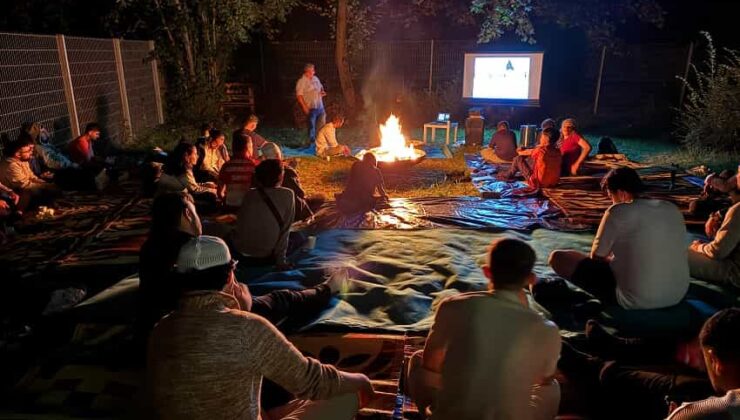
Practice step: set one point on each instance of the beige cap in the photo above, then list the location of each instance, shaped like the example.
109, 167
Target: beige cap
202, 253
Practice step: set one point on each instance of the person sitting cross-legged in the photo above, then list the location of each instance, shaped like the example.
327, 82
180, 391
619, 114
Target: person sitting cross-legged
638, 258
718, 261
326, 139
263, 221
359, 194
208, 358
16, 173
502, 147
488, 355
540, 166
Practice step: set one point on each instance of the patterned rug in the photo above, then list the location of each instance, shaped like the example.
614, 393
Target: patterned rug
96, 376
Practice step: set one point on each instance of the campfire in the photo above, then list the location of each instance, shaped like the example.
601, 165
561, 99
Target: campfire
393, 146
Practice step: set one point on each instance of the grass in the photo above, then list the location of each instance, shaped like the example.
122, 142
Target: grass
432, 177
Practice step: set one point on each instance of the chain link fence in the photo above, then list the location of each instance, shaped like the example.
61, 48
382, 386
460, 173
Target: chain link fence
31, 85
638, 83
67, 82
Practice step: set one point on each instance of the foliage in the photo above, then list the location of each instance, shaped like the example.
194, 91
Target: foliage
598, 18
364, 16
196, 40
710, 117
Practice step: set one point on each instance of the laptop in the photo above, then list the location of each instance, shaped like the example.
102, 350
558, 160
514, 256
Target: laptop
443, 117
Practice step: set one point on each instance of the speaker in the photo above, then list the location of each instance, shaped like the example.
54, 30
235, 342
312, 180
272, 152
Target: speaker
474, 126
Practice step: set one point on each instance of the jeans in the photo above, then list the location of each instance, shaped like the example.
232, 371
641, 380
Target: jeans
316, 120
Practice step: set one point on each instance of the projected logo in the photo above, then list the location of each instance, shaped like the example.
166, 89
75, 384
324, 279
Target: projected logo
501, 77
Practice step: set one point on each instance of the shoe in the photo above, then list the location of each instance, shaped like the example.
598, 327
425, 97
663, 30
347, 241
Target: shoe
587, 310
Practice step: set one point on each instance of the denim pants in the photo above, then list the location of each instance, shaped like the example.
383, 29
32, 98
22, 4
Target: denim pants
316, 120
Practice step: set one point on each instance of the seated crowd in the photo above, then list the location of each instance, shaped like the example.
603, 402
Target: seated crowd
556, 154
216, 351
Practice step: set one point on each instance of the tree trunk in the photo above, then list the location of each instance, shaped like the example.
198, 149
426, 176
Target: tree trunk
342, 60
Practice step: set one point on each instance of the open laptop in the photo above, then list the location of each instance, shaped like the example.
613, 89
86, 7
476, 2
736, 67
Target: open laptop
443, 117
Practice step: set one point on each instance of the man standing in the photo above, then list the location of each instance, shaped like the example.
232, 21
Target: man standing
309, 92
488, 355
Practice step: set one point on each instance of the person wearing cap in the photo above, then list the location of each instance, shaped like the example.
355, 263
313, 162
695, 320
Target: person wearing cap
638, 258
208, 358
310, 95
574, 147
304, 206
326, 139
263, 221
502, 147
718, 260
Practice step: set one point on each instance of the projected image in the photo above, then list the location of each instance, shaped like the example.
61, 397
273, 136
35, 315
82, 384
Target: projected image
501, 77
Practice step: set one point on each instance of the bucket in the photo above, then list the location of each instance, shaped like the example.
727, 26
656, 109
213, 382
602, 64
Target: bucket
527, 135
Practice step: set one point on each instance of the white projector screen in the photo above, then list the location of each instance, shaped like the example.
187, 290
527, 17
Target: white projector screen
503, 78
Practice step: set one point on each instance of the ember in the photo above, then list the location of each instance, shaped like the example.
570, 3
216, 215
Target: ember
393, 146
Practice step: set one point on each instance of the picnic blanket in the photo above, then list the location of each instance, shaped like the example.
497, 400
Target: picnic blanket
454, 212
580, 197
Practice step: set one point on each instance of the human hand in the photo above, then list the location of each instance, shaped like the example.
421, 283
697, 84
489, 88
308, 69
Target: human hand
211, 185
4, 206
15, 197
712, 225
696, 245
323, 93
574, 169
47, 175
361, 384
305, 109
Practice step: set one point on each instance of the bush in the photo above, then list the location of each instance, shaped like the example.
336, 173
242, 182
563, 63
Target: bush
710, 117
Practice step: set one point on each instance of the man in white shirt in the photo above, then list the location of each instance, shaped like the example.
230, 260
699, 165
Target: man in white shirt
488, 356
263, 221
638, 258
720, 343
310, 93
326, 140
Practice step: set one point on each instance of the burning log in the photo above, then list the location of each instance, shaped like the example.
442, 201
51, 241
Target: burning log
394, 152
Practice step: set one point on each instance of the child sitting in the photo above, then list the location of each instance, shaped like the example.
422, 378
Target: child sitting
540, 166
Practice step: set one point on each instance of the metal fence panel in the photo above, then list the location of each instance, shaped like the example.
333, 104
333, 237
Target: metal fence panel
92, 64
139, 84
31, 85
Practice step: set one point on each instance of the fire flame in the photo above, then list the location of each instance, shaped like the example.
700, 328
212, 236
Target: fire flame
393, 144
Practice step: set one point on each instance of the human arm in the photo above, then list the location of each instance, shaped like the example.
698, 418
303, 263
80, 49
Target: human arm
299, 88
306, 378
585, 150
381, 186
713, 224
721, 185
522, 151
195, 188
726, 239
605, 236
20, 177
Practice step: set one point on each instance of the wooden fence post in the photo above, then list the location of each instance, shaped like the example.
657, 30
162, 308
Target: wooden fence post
128, 126
69, 95
431, 64
157, 86
598, 82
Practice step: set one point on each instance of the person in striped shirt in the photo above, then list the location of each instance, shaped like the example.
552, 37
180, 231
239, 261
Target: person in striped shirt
235, 178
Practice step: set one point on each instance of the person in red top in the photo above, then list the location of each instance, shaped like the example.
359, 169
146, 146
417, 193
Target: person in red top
81, 149
235, 177
574, 147
540, 166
